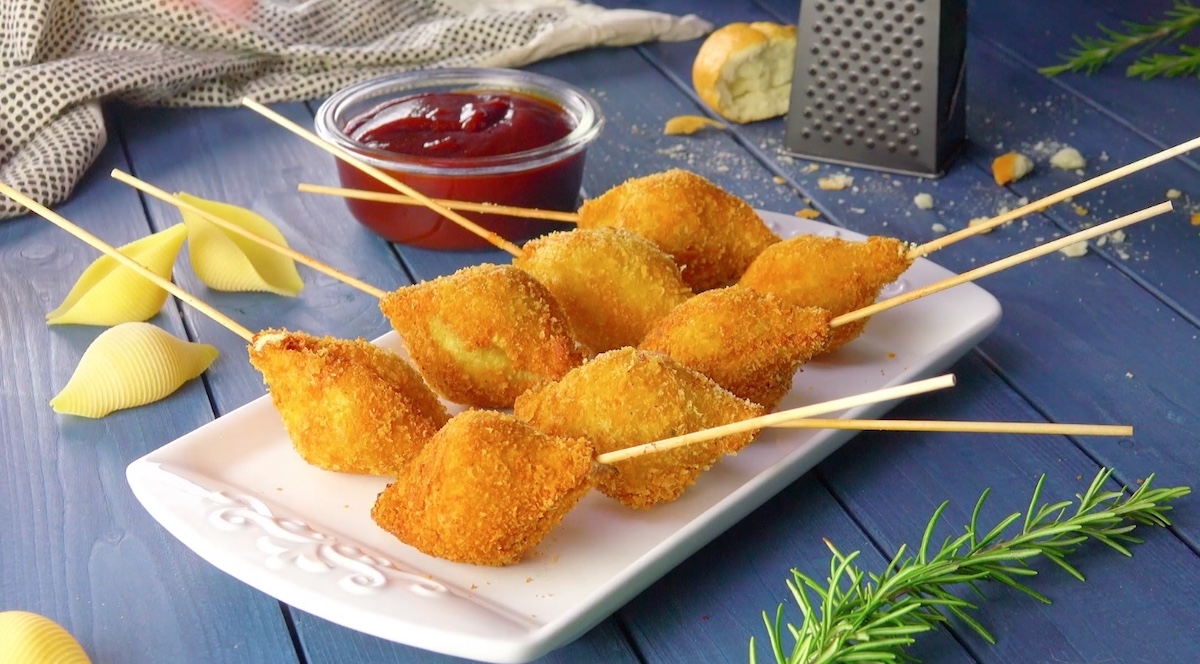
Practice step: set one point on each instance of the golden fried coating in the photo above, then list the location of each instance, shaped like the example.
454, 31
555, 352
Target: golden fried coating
628, 397
484, 334
837, 275
612, 283
348, 406
750, 343
485, 490
712, 234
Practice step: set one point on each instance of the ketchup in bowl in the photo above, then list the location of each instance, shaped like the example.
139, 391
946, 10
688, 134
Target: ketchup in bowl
483, 135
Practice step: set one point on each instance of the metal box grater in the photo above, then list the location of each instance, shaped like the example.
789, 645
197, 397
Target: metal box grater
880, 84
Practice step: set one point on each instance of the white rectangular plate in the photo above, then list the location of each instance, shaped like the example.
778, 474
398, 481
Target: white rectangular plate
236, 493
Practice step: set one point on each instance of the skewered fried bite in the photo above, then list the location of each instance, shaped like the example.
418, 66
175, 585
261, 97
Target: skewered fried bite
628, 397
612, 283
485, 490
712, 234
837, 275
348, 406
750, 343
484, 334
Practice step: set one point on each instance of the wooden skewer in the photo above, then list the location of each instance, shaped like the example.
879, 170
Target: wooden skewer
304, 259
166, 284
1002, 264
773, 419
964, 427
399, 199
1041, 204
383, 177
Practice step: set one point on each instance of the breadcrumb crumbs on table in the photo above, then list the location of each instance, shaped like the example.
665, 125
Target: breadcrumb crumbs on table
1117, 235
808, 213
938, 228
1174, 194
1010, 167
1196, 218
1079, 210
1068, 159
1075, 250
923, 201
779, 179
835, 182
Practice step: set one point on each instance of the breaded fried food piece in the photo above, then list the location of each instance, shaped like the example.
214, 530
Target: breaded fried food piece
837, 275
348, 406
612, 283
485, 490
484, 334
712, 234
750, 343
628, 397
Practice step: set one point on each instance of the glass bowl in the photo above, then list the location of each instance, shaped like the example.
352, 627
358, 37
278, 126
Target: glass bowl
539, 176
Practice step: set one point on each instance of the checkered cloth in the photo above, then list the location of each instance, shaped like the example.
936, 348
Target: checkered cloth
60, 58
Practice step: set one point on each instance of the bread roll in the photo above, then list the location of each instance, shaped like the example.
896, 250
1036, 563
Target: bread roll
744, 70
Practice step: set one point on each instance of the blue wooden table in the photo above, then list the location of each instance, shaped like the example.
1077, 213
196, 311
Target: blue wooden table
1109, 337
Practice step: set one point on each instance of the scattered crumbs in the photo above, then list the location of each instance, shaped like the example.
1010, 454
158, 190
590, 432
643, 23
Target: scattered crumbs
1010, 167
977, 221
779, 179
1117, 235
923, 201
811, 168
529, 579
690, 124
1129, 374
1102, 240
1079, 210
808, 213
858, 210
1103, 156
835, 182
474, 587
891, 356
1196, 218
938, 228
1023, 201
1174, 194
1068, 159
1074, 250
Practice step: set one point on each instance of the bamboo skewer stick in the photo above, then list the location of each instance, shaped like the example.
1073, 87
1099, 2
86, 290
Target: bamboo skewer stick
95, 242
1002, 264
772, 419
383, 177
1043, 203
961, 426
468, 206
297, 256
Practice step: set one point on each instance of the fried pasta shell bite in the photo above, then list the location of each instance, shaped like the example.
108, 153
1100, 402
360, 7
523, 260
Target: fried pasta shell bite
484, 334
628, 397
348, 406
612, 283
750, 343
837, 275
712, 234
485, 490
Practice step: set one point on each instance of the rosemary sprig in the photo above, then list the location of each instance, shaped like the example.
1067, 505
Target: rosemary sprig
872, 617
1092, 53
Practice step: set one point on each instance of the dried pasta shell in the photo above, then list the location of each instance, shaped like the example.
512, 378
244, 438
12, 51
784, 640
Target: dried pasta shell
228, 262
108, 293
129, 365
29, 638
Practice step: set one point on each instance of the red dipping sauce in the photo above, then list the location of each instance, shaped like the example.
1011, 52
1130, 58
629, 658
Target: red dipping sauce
488, 144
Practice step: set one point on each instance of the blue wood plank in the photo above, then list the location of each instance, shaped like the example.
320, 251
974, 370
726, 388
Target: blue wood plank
78, 546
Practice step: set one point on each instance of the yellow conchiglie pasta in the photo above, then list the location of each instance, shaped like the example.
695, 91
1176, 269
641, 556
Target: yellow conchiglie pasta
29, 638
130, 365
108, 293
229, 262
